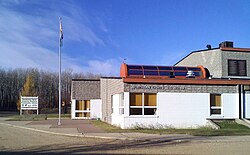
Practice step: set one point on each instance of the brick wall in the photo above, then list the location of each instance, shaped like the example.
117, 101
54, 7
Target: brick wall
153, 88
85, 89
109, 87
236, 56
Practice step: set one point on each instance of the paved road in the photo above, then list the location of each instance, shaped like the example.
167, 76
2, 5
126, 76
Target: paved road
21, 141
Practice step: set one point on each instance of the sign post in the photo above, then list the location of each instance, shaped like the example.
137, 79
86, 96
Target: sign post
29, 103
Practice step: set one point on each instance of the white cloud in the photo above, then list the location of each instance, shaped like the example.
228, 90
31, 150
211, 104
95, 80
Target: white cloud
109, 67
30, 39
80, 32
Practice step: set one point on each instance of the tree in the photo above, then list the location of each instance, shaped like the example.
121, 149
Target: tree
27, 90
34, 82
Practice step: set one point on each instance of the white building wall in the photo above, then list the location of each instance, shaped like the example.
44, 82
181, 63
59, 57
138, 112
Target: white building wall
179, 110
183, 110
115, 104
230, 107
141, 121
247, 106
116, 119
126, 104
73, 107
95, 108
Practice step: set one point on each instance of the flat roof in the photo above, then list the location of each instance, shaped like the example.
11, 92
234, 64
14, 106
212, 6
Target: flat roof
85, 79
233, 49
114, 77
187, 81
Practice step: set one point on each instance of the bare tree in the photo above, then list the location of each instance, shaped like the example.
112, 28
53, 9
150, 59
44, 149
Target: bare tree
45, 86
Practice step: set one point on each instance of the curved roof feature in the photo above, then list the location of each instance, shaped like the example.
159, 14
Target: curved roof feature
143, 71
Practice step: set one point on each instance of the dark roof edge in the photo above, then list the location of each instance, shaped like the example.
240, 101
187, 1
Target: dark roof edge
85, 79
195, 52
111, 77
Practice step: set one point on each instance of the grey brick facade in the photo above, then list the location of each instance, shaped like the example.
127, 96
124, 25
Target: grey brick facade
216, 61
109, 87
151, 88
236, 56
85, 89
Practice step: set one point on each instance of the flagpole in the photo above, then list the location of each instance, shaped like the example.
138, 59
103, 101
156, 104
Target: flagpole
59, 53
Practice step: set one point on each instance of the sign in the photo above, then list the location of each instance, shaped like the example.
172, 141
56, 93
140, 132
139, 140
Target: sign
156, 87
29, 103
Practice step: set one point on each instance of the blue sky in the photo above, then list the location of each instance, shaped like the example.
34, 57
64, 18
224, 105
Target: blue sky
99, 34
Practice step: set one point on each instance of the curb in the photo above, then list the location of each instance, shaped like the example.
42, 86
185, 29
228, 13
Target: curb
64, 134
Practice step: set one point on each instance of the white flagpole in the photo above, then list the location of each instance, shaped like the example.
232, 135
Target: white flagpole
59, 99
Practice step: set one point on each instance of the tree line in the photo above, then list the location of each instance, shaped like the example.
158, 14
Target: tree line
45, 84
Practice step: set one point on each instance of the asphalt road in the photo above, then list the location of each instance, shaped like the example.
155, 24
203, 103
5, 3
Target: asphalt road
21, 141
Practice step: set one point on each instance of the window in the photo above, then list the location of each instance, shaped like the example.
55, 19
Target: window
237, 68
215, 104
149, 99
135, 99
165, 68
82, 114
150, 72
112, 104
121, 104
150, 68
82, 108
82, 105
135, 72
143, 104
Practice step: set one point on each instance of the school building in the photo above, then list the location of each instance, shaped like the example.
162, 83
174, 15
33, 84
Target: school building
207, 84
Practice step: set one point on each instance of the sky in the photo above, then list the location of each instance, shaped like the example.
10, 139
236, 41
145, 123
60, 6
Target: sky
100, 34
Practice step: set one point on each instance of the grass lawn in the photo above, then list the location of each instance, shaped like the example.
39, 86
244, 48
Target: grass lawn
27, 118
8, 113
34, 117
56, 115
228, 128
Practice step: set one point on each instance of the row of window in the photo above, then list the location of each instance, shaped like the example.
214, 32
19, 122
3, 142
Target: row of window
171, 71
161, 73
142, 104
146, 104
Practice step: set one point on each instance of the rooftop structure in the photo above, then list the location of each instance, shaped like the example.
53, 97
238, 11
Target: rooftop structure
223, 62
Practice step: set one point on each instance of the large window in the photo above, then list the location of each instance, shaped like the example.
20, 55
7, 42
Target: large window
82, 108
215, 104
143, 104
237, 68
83, 105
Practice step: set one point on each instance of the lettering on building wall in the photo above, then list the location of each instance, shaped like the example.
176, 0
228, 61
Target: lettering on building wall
156, 87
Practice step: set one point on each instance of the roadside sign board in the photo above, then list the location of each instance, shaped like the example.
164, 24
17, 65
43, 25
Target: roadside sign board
29, 103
